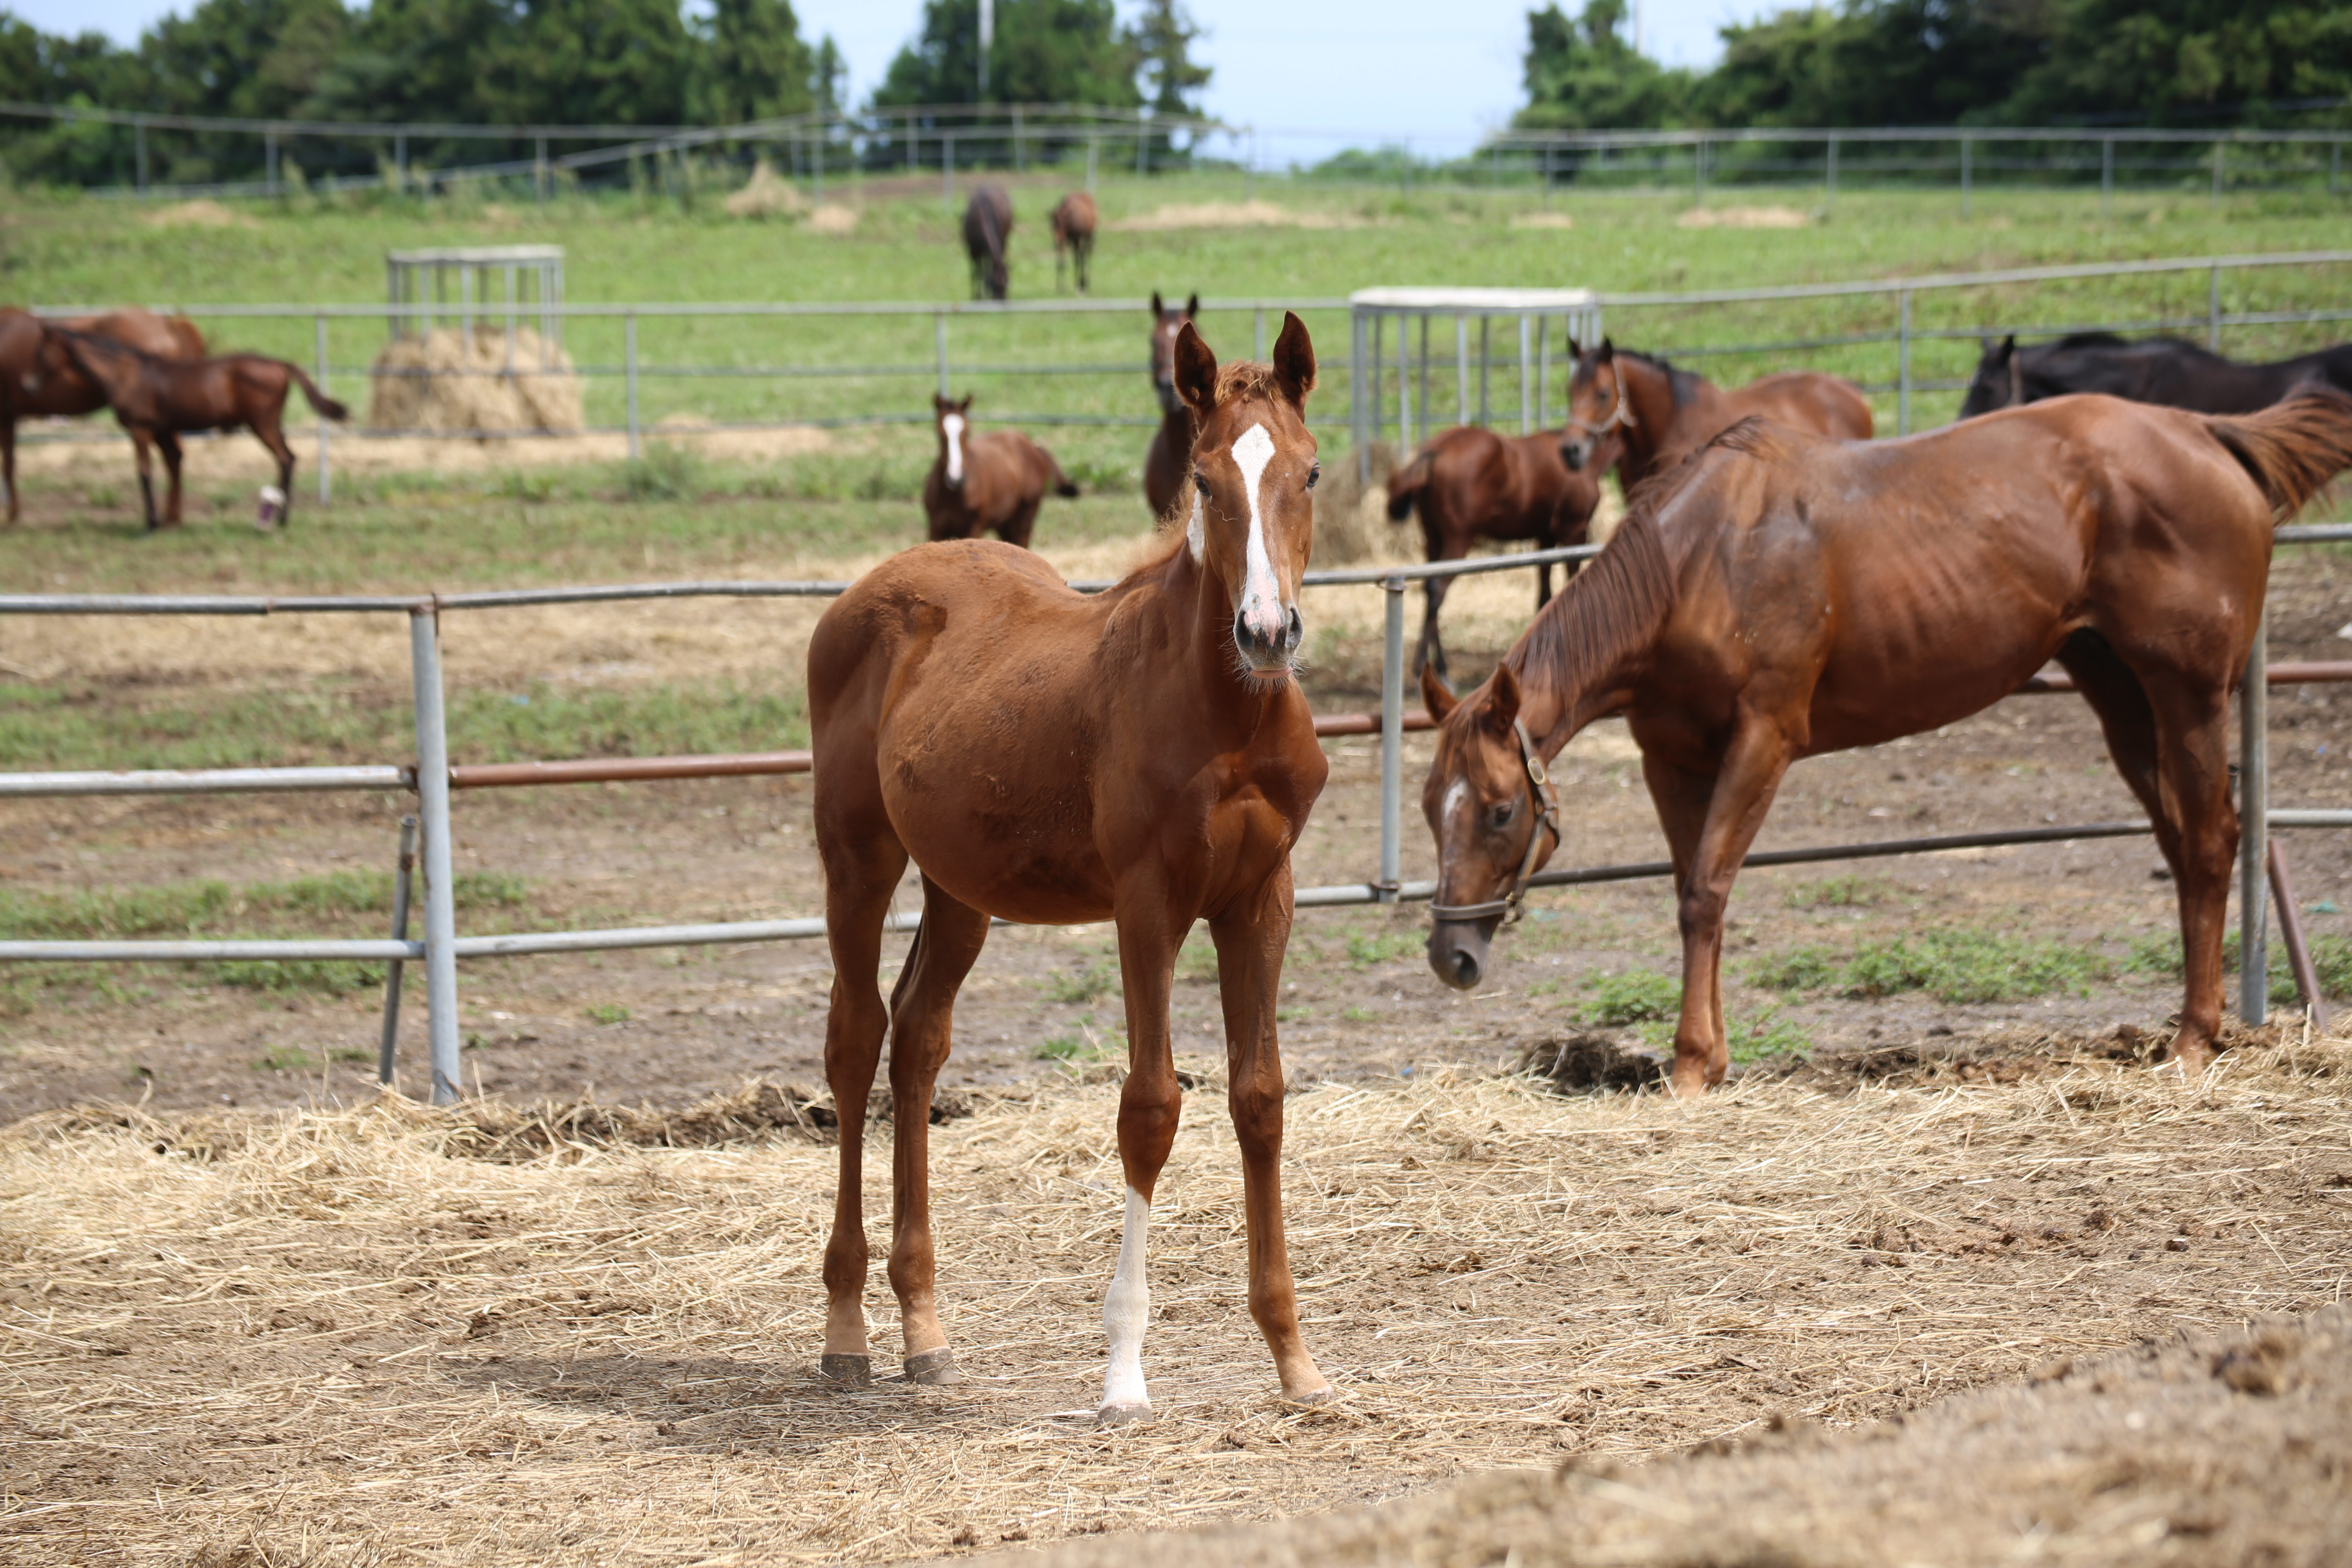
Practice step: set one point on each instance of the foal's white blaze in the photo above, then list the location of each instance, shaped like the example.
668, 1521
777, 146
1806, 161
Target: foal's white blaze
1196, 534
1126, 1306
951, 425
1261, 591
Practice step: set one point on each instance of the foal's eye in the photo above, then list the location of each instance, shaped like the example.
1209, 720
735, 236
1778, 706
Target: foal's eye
1200, 479
1499, 816
1314, 473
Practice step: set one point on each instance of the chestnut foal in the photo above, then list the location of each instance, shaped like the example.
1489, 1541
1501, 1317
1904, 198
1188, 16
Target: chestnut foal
1143, 755
1660, 414
978, 482
1168, 463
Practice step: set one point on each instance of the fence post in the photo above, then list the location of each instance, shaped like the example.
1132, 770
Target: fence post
440, 897
1965, 150
1698, 173
326, 486
1903, 367
1391, 739
403, 876
947, 172
2335, 157
141, 138
2213, 309
1543, 374
1527, 402
940, 346
1486, 367
2214, 200
1546, 181
1462, 370
629, 372
1829, 202
1404, 384
1356, 390
2254, 829
270, 146
1094, 146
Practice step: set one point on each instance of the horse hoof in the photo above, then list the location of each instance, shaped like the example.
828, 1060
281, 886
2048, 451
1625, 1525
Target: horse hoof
1122, 1415
934, 1369
851, 1370
1327, 1394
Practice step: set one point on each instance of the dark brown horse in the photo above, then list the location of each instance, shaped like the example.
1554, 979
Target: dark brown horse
1470, 484
1074, 230
987, 231
1781, 596
1168, 464
71, 392
2170, 370
158, 400
1659, 413
982, 483
1142, 756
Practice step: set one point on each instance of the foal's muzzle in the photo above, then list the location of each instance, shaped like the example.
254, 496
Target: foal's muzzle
1269, 649
1457, 951
1573, 452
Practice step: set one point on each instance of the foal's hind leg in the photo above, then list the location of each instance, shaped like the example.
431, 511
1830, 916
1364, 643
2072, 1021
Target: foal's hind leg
142, 454
273, 436
9, 460
1431, 651
922, 1013
169, 445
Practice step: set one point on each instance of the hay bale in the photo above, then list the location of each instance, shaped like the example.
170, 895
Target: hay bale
446, 380
766, 195
198, 214
833, 218
1351, 521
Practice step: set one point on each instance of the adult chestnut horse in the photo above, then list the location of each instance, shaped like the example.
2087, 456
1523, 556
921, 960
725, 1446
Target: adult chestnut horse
978, 482
987, 230
1168, 464
2170, 371
1142, 756
1781, 596
1659, 413
158, 400
71, 392
1470, 484
1074, 230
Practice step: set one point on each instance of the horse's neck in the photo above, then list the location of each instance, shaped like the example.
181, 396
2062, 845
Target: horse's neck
1589, 646
1650, 392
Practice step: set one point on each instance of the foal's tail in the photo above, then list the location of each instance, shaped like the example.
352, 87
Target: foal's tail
1407, 483
2294, 447
318, 400
1064, 485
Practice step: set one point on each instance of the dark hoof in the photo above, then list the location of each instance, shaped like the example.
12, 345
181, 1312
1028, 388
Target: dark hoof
1122, 1415
934, 1369
852, 1371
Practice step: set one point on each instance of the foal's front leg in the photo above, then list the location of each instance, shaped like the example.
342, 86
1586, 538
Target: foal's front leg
1147, 1109
1751, 774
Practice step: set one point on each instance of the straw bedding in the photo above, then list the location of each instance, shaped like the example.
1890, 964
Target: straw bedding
392, 1335
448, 380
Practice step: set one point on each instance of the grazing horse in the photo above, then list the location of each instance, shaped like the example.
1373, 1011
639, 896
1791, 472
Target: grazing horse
71, 392
978, 482
987, 229
1472, 484
2170, 370
1660, 413
1168, 465
1142, 756
1074, 230
158, 400
1782, 596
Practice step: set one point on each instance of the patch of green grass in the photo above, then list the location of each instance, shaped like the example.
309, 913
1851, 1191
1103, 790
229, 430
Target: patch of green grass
1634, 996
1841, 892
605, 1013
1085, 987
2331, 962
665, 472
1762, 1035
286, 1058
1081, 1047
1957, 965
1358, 1015
222, 909
354, 1053
1368, 949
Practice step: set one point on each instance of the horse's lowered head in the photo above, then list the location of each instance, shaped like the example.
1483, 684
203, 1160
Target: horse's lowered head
1597, 403
1253, 471
1491, 808
953, 421
1166, 323
2000, 380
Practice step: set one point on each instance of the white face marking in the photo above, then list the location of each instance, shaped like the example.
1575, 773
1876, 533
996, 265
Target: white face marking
1455, 798
1261, 592
1127, 1308
1196, 536
952, 425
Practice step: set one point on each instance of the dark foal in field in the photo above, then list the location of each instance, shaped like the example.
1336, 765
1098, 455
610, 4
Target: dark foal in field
1075, 220
27, 394
158, 400
1470, 484
1142, 756
1168, 463
1659, 414
982, 483
2170, 370
987, 234
1781, 596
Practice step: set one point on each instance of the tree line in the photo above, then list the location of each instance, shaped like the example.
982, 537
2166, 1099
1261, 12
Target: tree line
2191, 63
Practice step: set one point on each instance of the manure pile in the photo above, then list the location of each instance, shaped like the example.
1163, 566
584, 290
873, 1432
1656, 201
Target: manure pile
392, 1335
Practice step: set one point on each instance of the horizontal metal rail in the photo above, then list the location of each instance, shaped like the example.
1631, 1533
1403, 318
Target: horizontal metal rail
207, 781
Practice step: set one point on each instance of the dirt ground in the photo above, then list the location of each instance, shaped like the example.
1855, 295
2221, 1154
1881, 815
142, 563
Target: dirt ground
388, 1336
1357, 1000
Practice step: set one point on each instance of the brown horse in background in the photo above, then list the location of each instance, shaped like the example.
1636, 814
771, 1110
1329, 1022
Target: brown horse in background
1142, 756
1781, 596
1470, 484
158, 400
1073, 231
978, 482
987, 231
1168, 464
1661, 414
71, 392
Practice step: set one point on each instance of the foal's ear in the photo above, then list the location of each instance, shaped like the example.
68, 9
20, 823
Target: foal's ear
1196, 370
1193, 306
1608, 351
2009, 345
965, 406
1573, 352
1294, 360
1157, 310
1502, 700
1435, 695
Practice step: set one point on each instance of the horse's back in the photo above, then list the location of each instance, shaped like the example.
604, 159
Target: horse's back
1810, 400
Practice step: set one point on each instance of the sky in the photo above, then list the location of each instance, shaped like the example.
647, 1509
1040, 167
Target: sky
1311, 75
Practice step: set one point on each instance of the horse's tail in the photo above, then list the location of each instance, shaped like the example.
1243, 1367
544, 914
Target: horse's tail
1064, 485
318, 400
1407, 483
2294, 447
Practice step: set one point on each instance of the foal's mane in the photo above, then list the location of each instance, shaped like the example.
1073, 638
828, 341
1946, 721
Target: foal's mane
1682, 383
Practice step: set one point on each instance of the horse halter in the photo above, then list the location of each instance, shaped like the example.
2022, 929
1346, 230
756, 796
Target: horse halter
1620, 411
1546, 805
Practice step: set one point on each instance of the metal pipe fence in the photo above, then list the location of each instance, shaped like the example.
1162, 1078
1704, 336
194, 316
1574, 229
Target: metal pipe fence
434, 777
